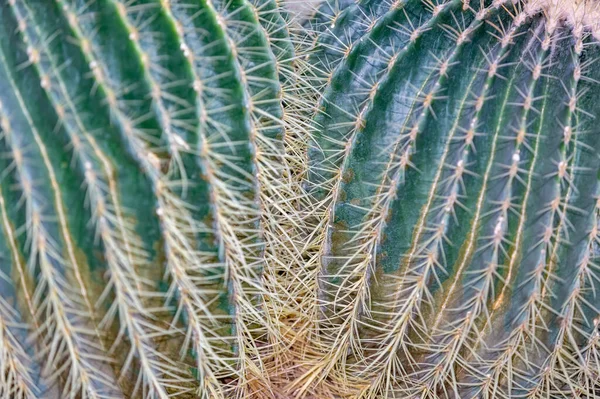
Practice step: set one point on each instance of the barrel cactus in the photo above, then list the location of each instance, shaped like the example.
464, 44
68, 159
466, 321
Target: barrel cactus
144, 184
212, 199
454, 169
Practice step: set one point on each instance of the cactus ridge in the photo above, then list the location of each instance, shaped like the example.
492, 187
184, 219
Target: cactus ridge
20, 373
356, 124
457, 182
68, 328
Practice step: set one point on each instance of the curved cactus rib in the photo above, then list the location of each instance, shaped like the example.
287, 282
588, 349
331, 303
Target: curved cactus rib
256, 67
343, 122
118, 237
212, 362
564, 296
562, 206
276, 31
228, 237
483, 274
327, 11
368, 64
480, 265
19, 375
68, 331
124, 257
580, 311
361, 75
546, 122
261, 97
204, 123
184, 261
339, 32
159, 240
366, 226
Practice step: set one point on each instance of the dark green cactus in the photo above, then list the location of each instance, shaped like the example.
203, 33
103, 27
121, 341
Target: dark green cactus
455, 166
143, 180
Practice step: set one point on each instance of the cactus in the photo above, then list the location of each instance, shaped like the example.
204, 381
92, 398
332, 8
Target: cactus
214, 199
144, 178
454, 171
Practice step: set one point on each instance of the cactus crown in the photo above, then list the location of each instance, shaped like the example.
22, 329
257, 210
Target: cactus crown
578, 14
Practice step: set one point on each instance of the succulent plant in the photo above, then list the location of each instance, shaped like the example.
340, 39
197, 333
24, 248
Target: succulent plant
212, 199
144, 181
455, 167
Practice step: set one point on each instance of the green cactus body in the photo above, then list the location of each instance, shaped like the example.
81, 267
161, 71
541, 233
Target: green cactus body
204, 199
339, 27
456, 164
145, 139
326, 12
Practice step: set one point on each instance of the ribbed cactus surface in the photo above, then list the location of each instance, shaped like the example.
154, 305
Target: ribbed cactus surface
142, 175
209, 199
454, 169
